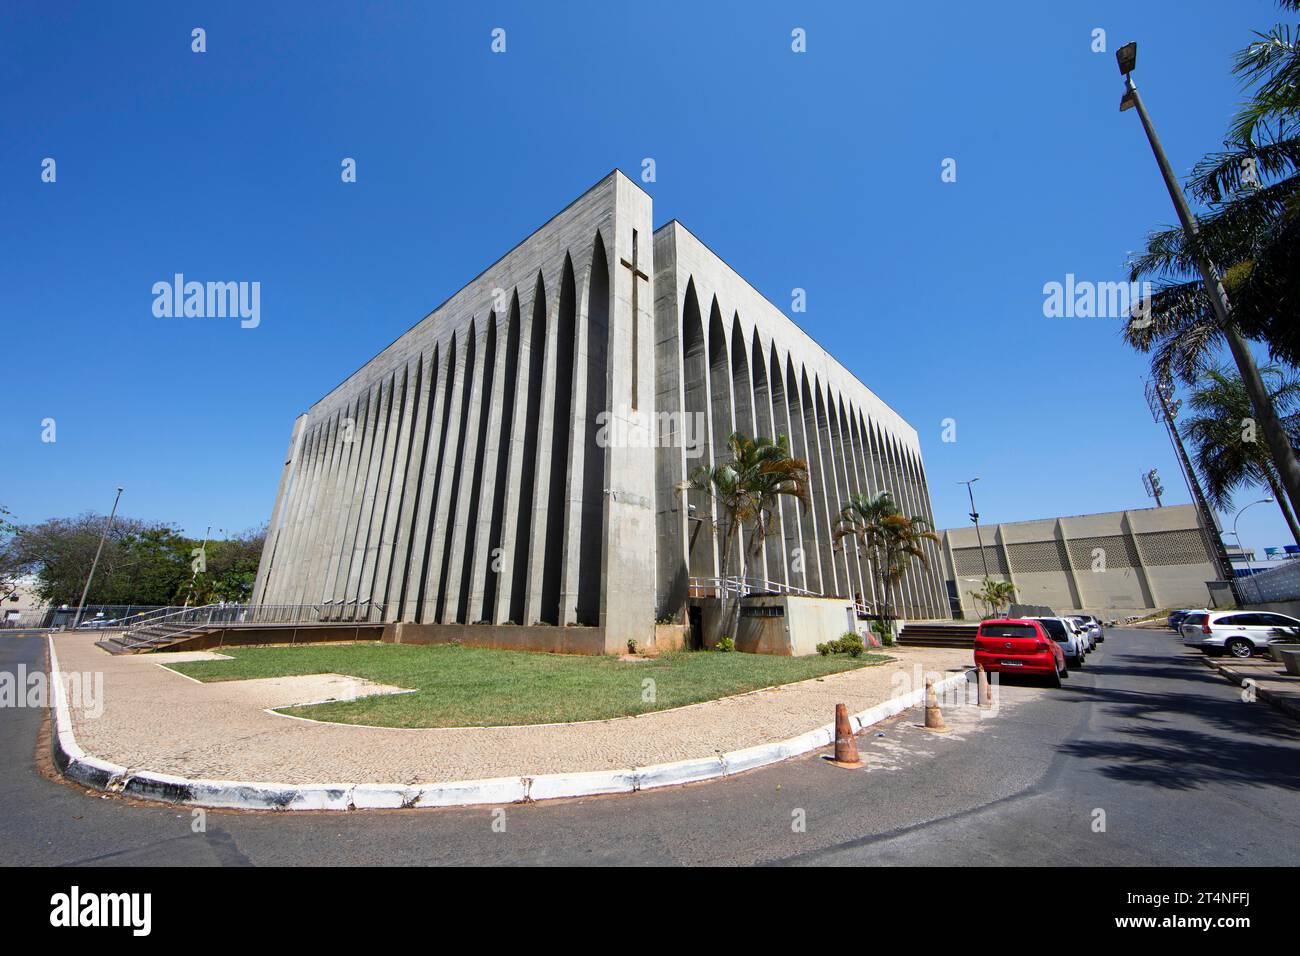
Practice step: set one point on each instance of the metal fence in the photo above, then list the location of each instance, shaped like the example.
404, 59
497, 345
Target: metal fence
1274, 585
111, 615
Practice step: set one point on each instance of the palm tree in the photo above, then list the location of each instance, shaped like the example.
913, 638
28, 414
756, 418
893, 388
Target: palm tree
892, 538
1225, 450
1252, 233
994, 594
747, 491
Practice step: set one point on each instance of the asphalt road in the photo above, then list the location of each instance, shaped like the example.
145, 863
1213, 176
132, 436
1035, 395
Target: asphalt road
1145, 757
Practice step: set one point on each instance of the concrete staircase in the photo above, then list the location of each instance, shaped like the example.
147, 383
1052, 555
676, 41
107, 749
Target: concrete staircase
938, 635
153, 637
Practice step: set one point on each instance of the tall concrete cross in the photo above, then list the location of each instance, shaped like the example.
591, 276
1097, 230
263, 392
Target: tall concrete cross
636, 313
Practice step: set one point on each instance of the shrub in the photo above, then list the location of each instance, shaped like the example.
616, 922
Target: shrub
850, 644
726, 644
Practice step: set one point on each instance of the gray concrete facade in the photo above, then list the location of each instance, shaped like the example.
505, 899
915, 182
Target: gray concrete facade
728, 359
1119, 562
504, 462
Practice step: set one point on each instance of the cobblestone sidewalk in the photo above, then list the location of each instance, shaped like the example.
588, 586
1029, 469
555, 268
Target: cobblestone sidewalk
155, 719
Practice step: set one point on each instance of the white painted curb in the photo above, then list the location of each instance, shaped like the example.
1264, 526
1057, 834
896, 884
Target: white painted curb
242, 795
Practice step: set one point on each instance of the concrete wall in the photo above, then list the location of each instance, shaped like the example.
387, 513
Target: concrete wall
507, 637
785, 625
459, 477
1120, 562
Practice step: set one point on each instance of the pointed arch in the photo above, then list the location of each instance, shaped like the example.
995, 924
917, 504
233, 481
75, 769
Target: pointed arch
700, 554
476, 466
528, 473
561, 419
496, 526
596, 405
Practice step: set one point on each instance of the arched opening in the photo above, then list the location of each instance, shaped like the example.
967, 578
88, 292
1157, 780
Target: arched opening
476, 479
456, 445
561, 419
496, 524
696, 434
528, 472
591, 534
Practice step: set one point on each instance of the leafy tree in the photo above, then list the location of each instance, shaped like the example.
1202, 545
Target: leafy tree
1224, 447
142, 562
10, 567
747, 491
230, 567
891, 538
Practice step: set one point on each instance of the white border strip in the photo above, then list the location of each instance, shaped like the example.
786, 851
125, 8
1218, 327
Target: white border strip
235, 794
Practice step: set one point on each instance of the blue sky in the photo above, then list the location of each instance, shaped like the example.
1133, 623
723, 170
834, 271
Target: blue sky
818, 170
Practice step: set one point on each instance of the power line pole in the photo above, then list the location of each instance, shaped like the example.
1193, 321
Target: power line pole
1159, 401
94, 564
1284, 456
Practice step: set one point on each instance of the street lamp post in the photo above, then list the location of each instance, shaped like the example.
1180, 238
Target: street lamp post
1262, 501
94, 564
1283, 454
975, 516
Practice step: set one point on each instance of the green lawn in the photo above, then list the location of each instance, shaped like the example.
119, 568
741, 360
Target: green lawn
465, 686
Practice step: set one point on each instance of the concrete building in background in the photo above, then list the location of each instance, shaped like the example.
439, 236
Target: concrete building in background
506, 473
1117, 563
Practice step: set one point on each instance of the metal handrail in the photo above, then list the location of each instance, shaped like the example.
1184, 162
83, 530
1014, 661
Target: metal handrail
749, 585
207, 615
753, 585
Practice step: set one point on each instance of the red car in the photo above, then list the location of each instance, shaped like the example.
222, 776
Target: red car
1019, 646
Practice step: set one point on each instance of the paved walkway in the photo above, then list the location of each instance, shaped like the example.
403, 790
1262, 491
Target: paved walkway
156, 719
1271, 681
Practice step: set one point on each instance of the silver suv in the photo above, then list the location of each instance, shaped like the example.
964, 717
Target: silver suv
1239, 633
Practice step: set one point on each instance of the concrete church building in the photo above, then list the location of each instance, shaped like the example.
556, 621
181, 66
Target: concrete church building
507, 472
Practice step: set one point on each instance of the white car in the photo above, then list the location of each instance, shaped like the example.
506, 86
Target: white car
1073, 643
1089, 627
1239, 633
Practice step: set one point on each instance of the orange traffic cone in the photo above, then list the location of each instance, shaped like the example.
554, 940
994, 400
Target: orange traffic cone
985, 695
846, 745
933, 716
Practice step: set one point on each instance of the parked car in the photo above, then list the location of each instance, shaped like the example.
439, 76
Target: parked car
1091, 628
1239, 633
1063, 632
1101, 627
1019, 646
1176, 618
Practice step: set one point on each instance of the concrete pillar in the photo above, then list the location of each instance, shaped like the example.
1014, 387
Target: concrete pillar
450, 444
461, 488
545, 426
521, 468
434, 440
369, 491
627, 605
675, 430
353, 503
500, 411
1058, 532
273, 528
280, 530
999, 538
307, 549
393, 484
399, 604
1144, 579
